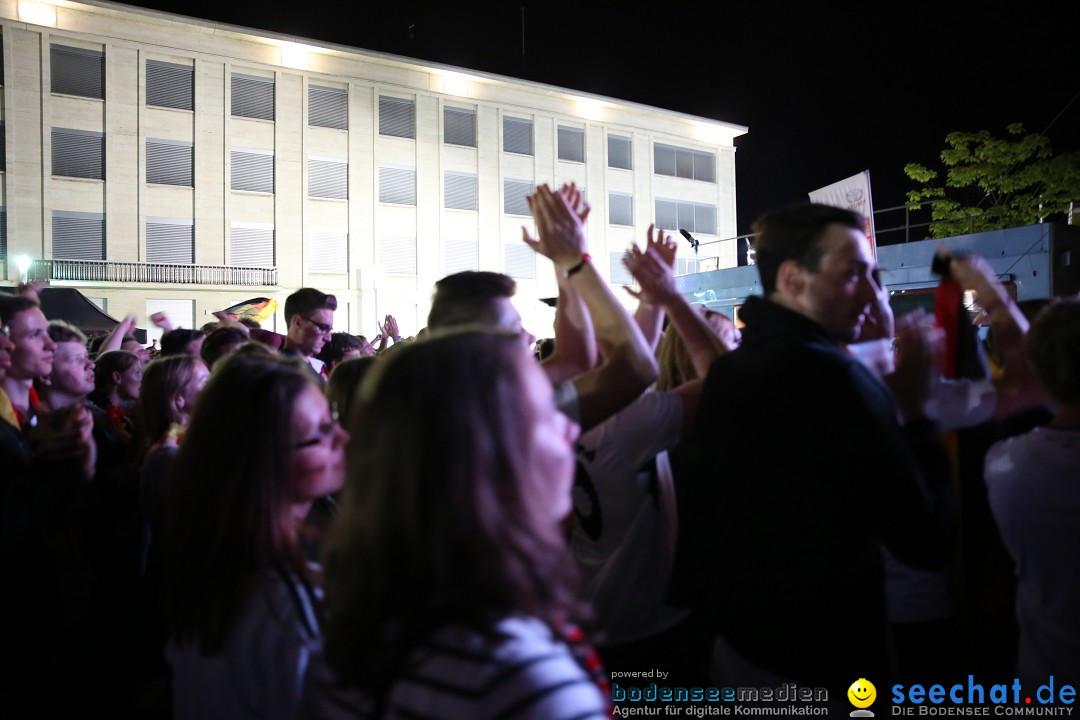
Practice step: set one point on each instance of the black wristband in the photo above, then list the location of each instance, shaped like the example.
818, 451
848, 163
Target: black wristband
577, 268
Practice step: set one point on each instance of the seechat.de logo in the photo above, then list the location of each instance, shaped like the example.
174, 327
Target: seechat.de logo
973, 698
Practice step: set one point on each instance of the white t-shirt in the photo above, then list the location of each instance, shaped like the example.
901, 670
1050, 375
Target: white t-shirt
317, 365
1033, 483
625, 519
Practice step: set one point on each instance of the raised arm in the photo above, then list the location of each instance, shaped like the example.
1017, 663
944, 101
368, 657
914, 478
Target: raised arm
390, 324
383, 336
161, 320
650, 312
917, 344
628, 365
115, 339
1017, 386
656, 276
575, 340
703, 344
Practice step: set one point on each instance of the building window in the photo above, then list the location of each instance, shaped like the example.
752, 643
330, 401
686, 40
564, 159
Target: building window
328, 178
684, 163
459, 126
252, 96
328, 107
181, 314
397, 185
571, 144
617, 271
514, 194
619, 152
460, 255
170, 240
75, 71
518, 135
620, 208
519, 261
328, 250
78, 235
3, 242
459, 191
251, 245
78, 153
170, 85
170, 162
397, 255
253, 170
397, 117
678, 215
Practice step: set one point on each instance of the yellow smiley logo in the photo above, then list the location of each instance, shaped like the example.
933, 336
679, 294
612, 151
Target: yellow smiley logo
862, 693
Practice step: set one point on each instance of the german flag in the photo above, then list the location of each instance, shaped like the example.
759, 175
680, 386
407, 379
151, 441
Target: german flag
258, 309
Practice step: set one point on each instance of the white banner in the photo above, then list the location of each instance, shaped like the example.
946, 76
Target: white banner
852, 194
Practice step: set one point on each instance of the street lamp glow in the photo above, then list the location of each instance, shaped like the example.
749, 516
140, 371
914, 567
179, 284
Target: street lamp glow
23, 263
456, 84
590, 109
294, 56
715, 134
37, 13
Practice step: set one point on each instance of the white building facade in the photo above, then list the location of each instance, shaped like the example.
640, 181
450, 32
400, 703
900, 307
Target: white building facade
162, 163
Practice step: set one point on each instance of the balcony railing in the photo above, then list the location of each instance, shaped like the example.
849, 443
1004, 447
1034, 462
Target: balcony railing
886, 233
136, 272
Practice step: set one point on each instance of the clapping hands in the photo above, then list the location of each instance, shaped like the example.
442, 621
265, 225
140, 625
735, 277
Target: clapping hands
653, 268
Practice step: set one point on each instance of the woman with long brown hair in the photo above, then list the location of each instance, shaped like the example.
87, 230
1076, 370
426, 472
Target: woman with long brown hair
240, 600
449, 586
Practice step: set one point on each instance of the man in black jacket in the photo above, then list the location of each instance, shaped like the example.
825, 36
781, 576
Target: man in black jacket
808, 471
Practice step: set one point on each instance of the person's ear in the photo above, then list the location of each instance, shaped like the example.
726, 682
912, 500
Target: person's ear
790, 279
116, 378
178, 405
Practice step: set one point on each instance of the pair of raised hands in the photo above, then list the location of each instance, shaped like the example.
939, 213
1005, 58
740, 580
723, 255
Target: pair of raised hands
388, 328
560, 227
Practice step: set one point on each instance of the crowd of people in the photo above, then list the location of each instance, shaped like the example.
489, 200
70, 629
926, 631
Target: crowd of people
471, 523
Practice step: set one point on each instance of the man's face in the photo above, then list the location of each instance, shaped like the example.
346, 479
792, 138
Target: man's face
308, 334
33, 354
838, 295
73, 371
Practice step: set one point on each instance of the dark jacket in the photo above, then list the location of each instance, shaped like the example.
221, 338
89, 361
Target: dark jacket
803, 474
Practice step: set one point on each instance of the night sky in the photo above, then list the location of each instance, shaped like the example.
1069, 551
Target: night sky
826, 90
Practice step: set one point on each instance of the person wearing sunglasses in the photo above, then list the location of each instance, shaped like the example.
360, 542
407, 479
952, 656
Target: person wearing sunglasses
310, 317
